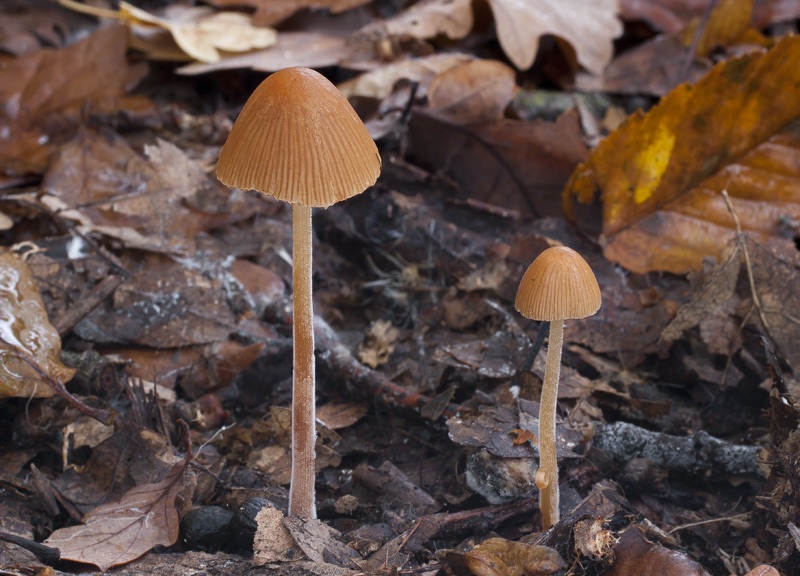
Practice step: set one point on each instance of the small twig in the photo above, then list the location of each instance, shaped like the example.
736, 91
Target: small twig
709, 521
743, 242
85, 305
696, 42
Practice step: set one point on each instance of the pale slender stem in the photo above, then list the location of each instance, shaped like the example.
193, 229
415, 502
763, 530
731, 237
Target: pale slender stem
301, 491
548, 463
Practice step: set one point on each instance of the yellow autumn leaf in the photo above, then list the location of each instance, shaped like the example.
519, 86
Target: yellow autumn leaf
660, 174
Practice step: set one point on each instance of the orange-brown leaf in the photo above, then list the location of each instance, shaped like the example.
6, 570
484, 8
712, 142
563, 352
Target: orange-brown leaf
30, 347
660, 173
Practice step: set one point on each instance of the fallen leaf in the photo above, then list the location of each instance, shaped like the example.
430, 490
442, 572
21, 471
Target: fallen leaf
634, 555
520, 165
654, 67
380, 82
660, 173
199, 31
140, 201
310, 49
30, 348
500, 557
717, 290
163, 304
588, 27
42, 94
426, 19
672, 15
476, 91
727, 23
337, 415
118, 532
269, 12
378, 343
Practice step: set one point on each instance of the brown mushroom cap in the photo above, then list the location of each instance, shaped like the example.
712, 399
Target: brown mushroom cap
299, 140
558, 285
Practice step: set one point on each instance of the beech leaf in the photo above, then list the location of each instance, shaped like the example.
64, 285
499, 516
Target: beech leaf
118, 532
660, 175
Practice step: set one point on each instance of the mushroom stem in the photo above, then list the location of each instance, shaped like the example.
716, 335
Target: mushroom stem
548, 464
301, 491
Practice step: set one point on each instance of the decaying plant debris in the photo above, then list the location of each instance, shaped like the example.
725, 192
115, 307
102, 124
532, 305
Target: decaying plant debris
146, 309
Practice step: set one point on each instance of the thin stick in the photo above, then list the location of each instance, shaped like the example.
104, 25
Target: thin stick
547, 476
743, 242
301, 491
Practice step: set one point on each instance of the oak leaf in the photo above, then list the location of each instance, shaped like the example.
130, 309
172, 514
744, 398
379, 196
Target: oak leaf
589, 27
661, 173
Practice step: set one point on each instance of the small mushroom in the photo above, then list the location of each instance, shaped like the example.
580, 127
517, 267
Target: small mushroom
558, 285
299, 140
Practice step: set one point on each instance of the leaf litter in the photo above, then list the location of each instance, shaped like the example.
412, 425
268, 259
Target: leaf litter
148, 269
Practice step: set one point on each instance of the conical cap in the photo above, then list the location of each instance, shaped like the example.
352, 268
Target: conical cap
299, 140
558, 285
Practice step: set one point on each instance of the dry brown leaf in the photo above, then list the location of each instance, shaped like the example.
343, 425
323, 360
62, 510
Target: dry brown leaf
378, 343
476, 91
337, 415
30, 348
660, 174
589, 27
43, 92
380, 82
519, 165
199, 31
427, 19
118, 532
269, 12
310, 49
141, 202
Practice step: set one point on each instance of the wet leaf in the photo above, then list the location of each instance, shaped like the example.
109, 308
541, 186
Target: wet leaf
142, 202
476, 91
500, 557
589, 28
43, 92
634, 555
118, 532
30, 348
164, 304
660, 173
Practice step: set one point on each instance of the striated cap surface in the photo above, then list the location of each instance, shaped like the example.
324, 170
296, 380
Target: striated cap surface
558, 285
299, 140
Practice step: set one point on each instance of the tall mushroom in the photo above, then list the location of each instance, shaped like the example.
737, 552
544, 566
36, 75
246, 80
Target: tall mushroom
558, 285
299, 140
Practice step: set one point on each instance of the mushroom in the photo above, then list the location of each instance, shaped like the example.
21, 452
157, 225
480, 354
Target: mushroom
299, 140
558, 285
